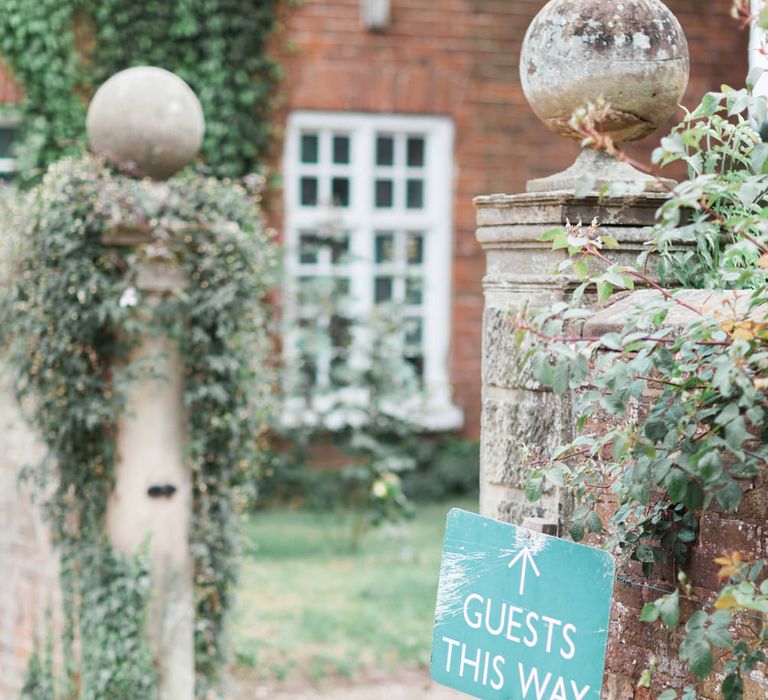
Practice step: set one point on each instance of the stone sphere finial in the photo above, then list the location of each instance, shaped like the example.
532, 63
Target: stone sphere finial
146, 120
630, 54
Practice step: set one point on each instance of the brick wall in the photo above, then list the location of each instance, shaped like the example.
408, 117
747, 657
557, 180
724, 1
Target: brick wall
9, 89
632, 643
460, 58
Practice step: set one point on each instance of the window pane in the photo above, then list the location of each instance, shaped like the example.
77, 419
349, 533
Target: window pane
414, 291
415, 152
307, 289
308, 248
7, 135
308, 371
384, 190
339, 372
415, 247
414, 194
340, 250
340, 191
382, 289
309, 148
341, 286
413, 333
341, 149
385, 248
385, 150
340, 331
309, 191
417, 362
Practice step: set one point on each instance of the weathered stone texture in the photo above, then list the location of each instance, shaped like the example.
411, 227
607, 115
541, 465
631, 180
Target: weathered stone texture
517, 427
518, 418
503, 364
28, 565
556, 208
634, 56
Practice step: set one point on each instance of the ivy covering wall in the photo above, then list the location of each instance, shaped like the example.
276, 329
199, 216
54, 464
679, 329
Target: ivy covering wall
61, 50
37, 43
71, 315
70, 329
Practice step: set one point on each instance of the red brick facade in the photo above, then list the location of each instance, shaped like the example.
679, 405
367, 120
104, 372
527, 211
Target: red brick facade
460, 58
632, 643
9, 89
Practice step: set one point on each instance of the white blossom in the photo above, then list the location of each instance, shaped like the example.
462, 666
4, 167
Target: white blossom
379, 489
130, 297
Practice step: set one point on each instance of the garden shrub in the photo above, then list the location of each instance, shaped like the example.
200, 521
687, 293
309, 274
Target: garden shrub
450, 469
685, 407
445, 467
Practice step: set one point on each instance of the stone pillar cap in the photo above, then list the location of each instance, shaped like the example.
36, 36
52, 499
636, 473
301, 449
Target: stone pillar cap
631, 56
147, 121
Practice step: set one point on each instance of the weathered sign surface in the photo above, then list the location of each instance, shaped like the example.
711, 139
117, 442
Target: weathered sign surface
520, 615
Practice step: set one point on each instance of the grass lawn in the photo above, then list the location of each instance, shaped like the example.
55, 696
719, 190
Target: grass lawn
308, 606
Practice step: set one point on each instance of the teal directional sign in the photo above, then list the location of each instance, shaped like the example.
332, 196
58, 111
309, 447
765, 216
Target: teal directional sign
520, 615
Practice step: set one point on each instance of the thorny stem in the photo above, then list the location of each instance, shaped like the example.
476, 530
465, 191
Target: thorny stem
605, 143
591, 250
601, 142
741, 10
523, 326
579, 453
654, 380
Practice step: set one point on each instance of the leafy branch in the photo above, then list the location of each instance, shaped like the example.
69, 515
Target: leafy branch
670, 416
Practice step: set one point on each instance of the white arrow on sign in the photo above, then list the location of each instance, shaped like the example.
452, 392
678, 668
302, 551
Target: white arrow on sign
527, 557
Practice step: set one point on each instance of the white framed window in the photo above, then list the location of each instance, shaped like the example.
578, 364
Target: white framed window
368, 212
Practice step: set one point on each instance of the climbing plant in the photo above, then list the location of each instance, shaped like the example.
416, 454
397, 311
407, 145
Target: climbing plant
71, 311
71, 315
61, 51
218, 47
37, 43
670, 417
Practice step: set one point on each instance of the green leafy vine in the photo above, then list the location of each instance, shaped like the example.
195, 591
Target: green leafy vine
37, 42
61, 51
71, 315
671, 409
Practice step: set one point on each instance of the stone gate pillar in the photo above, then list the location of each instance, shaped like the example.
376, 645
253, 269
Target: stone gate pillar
149, 122
625, 69
519, 416
152, 499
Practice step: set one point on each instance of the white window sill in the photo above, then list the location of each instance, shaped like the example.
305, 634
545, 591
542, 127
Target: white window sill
346, 408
